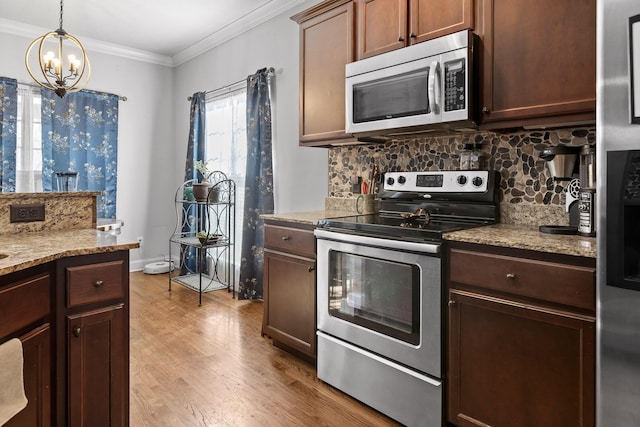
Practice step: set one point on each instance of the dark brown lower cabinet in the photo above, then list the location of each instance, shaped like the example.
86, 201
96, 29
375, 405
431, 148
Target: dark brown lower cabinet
93, 340
36, 353
97, 365
517, 366
516, 360
290, 289
72, 317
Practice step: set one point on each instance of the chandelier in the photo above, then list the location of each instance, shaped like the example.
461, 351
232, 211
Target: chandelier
54, 73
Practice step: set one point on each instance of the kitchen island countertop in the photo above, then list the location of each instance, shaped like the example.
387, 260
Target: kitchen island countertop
28, 249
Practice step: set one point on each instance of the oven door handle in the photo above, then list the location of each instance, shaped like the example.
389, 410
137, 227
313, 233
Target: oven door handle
401, 245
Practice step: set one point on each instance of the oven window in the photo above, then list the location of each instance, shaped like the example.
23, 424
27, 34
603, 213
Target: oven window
376, 294
397, 96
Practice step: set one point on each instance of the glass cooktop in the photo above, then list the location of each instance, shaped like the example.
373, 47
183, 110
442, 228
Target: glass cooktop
390, 226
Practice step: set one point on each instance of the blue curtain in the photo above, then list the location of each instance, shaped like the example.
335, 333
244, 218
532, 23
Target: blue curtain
80, 134
197, 135
195, 152
8, 123
258, 193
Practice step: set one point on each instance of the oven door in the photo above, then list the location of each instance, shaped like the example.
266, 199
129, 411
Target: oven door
383, 296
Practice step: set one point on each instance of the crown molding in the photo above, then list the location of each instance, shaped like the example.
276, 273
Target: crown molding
235, 28
91, 45
268, 10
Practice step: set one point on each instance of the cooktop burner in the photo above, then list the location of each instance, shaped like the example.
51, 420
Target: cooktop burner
424, 205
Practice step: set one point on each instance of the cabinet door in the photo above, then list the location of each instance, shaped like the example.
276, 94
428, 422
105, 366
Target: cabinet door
290, 301
382, 26
98, 367
436, 18
539, 61
327, 44
36, 350
515, 365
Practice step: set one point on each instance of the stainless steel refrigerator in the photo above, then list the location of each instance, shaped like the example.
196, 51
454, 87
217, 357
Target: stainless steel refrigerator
618, 207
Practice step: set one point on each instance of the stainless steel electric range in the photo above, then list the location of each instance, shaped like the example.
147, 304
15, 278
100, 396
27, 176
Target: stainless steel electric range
379, 290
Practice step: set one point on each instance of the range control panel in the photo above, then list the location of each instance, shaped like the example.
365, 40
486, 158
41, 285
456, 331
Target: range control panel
437, 181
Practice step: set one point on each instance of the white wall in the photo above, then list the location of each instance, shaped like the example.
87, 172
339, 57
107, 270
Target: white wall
300, 173
146, 159
154, 124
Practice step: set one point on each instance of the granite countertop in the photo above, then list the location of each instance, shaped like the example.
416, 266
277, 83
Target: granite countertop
505, 235
29, 249
526, 237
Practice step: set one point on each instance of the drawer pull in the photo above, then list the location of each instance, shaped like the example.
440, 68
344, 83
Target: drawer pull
452, 302
98, 283
511, 276
311, 268
285, 237
76, 332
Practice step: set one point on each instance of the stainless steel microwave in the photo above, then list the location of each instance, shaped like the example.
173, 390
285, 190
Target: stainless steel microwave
421, 87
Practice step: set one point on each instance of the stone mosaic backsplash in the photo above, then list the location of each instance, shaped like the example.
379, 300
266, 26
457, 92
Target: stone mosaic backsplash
528, 194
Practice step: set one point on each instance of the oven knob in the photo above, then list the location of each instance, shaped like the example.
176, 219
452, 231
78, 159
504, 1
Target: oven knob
390, 181
477, 181
462, 180
402, 179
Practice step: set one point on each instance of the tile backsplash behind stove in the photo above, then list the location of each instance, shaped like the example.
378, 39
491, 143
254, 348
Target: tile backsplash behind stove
528, 194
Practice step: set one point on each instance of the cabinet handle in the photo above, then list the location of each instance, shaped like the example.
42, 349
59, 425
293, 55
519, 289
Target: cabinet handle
400, 39
98, 283
412, 35
285, 237
76, 332
311, 268
511, 276
486, 110
451, 302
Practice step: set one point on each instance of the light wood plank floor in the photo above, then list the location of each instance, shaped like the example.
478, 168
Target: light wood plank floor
210, 366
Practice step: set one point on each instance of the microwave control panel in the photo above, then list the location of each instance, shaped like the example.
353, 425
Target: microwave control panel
454, 85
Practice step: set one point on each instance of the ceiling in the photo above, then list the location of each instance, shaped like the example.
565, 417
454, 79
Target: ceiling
161, 31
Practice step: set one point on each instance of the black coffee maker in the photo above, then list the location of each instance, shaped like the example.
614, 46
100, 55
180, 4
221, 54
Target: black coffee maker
562, 165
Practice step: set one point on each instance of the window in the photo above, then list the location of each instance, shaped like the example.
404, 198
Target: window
29, 141
77, 134
226, 146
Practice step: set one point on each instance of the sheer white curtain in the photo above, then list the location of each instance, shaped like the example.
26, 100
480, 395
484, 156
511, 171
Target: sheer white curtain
226, 145
29, 140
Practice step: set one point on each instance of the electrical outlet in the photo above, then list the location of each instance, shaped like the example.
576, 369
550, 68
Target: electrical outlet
26, 213
139, 239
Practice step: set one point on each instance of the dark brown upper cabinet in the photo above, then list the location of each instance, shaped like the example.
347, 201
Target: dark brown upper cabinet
538, 62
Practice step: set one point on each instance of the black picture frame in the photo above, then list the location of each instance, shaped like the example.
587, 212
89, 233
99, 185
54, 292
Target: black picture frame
634, 68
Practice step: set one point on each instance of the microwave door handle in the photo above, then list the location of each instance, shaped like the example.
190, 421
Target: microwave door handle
434, 87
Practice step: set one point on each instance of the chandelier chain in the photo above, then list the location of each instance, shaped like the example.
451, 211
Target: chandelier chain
61, 1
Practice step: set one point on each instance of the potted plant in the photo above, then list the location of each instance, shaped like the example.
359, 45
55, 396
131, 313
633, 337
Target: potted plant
201, 190
207, 238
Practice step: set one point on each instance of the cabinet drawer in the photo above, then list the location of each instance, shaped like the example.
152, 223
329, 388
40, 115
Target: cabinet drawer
94, 283
292, 240
23, 303
553, 282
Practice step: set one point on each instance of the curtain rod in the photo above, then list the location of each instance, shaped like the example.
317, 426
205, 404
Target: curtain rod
270, 72
120, 97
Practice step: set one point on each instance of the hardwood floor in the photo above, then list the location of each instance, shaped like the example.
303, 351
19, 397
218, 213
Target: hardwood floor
210, 366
